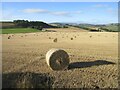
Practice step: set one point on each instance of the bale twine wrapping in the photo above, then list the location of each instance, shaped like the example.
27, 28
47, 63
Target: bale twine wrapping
57, 59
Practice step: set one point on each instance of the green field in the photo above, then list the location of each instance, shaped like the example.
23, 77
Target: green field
111, 27
18, 30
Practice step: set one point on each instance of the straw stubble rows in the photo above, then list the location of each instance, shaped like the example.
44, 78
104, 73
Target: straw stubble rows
93, 59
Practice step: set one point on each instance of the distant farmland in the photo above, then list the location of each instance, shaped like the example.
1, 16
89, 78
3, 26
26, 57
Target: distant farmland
7, 25
37, 26
105, 27
19, 30
113, 28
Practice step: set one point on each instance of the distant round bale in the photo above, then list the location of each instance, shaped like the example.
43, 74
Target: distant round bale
49, 37
55, 40
71, 38
90, 36
9, 37
57, 59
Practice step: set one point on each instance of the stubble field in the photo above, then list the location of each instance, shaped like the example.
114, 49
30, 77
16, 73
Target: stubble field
93, 60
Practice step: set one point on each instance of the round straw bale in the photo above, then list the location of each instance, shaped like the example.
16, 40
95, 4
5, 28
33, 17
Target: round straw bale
90, 36
57, 59
71, 38
49, 37
55, 40
9, 37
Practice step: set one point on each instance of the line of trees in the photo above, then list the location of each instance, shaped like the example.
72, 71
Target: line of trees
21, 23
32, 24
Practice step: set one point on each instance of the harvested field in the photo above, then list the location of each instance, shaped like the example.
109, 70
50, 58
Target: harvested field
93, 60
70, 29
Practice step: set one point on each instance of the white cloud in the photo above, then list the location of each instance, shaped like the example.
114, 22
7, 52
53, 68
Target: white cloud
58, 13
62, 13
35, 11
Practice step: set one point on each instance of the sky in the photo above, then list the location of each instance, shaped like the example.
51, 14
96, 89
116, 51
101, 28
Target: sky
70, 12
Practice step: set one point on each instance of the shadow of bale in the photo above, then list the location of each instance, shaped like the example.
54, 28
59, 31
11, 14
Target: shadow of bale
88, 64
27, 80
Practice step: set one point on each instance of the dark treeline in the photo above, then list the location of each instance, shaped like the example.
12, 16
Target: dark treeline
87, 28
32, 24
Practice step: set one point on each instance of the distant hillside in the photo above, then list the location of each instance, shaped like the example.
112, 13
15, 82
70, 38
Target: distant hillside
30, 24
100, 27
111, 27
43, 24
63, 23
7, 25
60, 25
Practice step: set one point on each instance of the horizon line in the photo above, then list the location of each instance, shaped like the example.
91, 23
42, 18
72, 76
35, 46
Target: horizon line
75, 22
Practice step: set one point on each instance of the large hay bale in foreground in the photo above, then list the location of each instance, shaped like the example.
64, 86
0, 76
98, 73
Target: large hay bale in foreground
57, 59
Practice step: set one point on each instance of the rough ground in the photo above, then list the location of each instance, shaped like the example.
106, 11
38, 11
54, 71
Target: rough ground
93, 60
